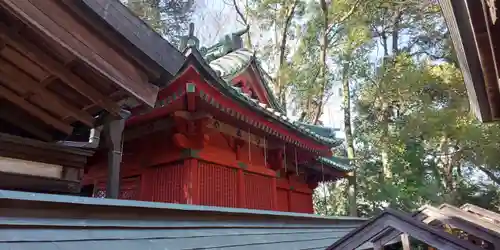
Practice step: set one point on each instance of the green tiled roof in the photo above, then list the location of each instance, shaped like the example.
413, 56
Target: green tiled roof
339, 163
226, 67
233, 64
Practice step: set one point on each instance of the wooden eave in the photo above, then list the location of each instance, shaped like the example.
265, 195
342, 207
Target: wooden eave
483, 213
180, 87
474, 36
196, 61
132, 36
454, 219
470, 217
374, 229
209, 99
54, 68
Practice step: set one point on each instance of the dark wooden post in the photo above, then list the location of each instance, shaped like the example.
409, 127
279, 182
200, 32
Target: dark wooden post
113, 133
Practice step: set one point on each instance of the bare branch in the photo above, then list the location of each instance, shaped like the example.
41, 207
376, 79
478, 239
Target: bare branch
240, 14
345, 17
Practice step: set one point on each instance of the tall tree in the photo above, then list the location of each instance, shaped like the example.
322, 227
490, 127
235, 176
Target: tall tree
170, 18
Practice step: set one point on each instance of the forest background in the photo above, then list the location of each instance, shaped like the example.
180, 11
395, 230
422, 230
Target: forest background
383, 72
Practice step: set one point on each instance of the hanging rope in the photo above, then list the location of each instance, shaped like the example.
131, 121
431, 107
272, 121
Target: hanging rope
322, 173
249, 148
284, 158
296, 163
265, 151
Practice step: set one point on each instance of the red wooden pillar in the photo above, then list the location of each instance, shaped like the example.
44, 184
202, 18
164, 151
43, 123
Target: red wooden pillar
193, 188
241, 189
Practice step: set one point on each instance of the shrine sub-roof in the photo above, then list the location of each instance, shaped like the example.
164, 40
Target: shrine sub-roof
221, 76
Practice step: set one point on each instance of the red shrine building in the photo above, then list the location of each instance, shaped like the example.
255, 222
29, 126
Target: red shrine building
218, 137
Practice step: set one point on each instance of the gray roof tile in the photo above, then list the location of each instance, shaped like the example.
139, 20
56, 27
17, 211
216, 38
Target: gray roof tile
88, 223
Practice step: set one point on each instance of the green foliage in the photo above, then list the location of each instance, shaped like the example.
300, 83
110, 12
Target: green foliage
415, 140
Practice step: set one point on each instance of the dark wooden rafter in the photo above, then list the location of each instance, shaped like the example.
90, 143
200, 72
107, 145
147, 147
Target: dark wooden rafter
57, 69
430, 214
22, 121
391, 219
11, 74
34, 110
52, 21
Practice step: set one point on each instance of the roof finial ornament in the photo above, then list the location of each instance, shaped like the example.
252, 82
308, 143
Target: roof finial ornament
227, 44
189, 41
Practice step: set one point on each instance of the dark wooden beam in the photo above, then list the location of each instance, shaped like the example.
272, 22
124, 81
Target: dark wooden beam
38, 184
113, 134
149, 128
21, 121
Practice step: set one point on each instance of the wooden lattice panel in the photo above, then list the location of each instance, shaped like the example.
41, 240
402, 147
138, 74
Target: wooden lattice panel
165, 183
218, 185
129, 189
258, 190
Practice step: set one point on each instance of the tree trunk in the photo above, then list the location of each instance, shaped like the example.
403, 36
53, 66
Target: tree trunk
346, 98
386, 107
281, 81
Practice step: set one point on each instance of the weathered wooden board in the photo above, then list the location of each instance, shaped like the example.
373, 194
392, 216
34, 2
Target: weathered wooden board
17, 166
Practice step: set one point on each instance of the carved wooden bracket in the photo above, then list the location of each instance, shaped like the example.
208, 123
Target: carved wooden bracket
275, 159
238, 144
191, 130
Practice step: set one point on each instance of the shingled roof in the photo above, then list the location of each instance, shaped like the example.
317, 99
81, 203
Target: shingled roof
376, 228
233, 64
81, 223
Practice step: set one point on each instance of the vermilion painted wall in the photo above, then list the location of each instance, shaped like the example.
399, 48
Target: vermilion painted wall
154, 170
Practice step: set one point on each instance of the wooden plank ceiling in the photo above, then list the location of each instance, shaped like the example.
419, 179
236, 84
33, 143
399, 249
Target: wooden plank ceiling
57, 74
